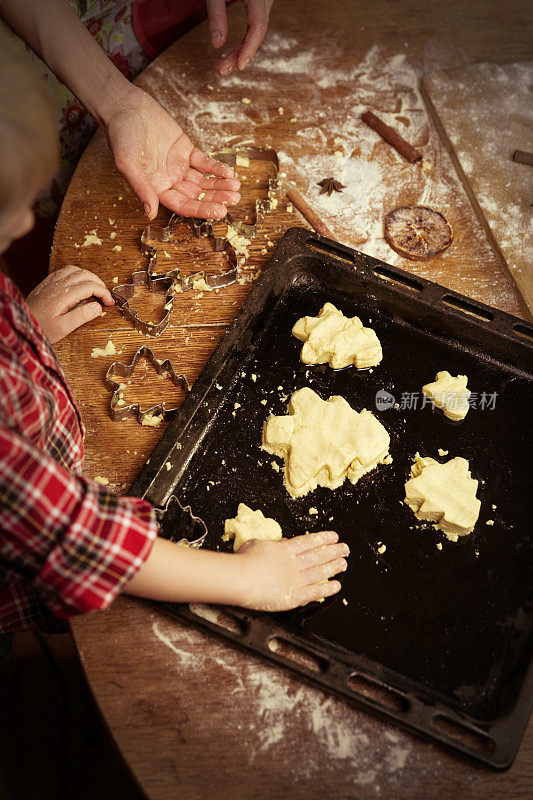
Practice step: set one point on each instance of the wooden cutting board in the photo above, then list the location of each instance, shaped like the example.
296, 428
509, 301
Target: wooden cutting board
484, 113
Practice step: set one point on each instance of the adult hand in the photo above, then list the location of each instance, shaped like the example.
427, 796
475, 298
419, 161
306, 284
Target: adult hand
161, 164
257, 13
57, 303
291, 572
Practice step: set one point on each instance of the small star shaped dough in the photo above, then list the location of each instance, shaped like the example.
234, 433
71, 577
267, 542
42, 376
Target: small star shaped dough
323, 442
444, 494
450, 394
338, 340
249, 525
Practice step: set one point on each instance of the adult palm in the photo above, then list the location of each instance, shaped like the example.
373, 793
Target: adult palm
161, 164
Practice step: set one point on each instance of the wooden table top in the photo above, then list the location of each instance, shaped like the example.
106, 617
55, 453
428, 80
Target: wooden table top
189, 712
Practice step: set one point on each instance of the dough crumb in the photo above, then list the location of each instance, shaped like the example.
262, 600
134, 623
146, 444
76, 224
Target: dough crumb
331, 338
439, 545
248, 525
442, 452
100, 479
152, 420
313, 510
91, 238
115, 279
168, 465
494, 507
246, 101
108, 350
281, 111
253, 377
489, 522
344, 601
381, 548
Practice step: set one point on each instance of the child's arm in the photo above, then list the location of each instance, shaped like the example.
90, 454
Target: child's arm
269, 576
151, 150
77, 546
58, 303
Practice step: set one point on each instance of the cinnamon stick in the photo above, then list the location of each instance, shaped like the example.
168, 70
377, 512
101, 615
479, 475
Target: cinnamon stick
306, 211
523, 157
392, 137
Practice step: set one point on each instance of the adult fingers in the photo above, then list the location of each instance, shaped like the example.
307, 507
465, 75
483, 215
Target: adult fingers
218, 21
208, 165
318, 591
257, 27
207, 182
311, 540
189, 207
192, 191
73, 319
228, 64
321, 555
324, 571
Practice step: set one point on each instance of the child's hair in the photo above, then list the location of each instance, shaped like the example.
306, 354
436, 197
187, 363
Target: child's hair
28, 139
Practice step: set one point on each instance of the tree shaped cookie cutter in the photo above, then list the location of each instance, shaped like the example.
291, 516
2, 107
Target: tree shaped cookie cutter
118, 373
155, 234
162, 285
230, 155
171, 516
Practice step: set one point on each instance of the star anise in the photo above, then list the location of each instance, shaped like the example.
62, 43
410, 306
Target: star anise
330, 185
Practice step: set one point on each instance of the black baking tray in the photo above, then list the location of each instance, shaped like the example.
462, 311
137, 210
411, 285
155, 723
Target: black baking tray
439, 640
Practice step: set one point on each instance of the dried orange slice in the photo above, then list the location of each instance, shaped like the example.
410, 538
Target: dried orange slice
417, 232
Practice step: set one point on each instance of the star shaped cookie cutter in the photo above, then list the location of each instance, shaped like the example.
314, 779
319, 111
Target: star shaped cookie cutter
122, 294
118, 373
173, 515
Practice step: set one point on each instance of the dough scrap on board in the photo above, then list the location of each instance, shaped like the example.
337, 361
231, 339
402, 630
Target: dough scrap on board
249, 525
450, 394
331, 338
444, 494
323, 442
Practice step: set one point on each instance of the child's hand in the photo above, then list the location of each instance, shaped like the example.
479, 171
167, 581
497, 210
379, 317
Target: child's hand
257, 13
292, 572
161, 164
55, 302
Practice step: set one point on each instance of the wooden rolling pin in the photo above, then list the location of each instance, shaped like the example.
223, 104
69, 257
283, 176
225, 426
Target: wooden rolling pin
306, 211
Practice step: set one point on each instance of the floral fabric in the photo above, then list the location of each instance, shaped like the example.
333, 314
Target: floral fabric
110, 22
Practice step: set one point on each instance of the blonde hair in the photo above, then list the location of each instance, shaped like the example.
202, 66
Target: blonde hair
29, 152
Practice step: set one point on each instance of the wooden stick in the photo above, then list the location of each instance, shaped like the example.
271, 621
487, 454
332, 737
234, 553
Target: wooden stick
306, 211
392, 137
523, 157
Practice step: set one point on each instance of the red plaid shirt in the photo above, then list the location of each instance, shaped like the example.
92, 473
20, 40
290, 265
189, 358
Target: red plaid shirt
67, 544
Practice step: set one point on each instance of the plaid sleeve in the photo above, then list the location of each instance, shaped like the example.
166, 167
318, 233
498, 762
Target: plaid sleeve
69, 539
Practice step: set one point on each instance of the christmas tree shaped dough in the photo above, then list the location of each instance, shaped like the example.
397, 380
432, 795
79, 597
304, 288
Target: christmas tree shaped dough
450, 394
444, 494
323, 442
249, 525
338, 340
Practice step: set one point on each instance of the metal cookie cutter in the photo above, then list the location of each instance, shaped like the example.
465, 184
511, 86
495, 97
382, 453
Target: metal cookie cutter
201, 228
162, 285
118, 373
229, 155
175, 518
